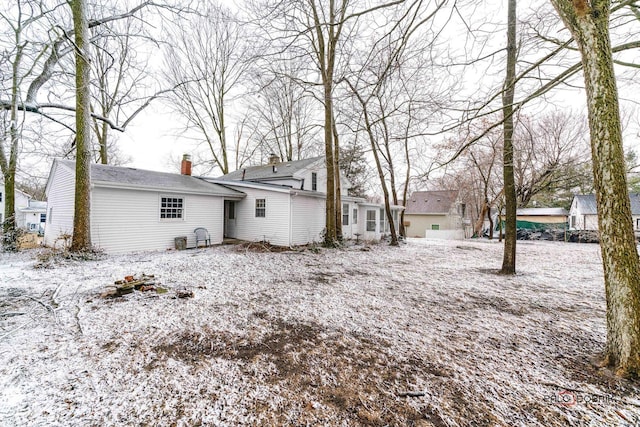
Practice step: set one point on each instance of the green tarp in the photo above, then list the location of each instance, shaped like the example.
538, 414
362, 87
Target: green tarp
530, 225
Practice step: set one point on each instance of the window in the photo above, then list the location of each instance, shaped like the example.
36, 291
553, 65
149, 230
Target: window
43, 217
171, 207
261, 208
314, 181
345, 214
355, 216
0, 196
371, 220
435, 226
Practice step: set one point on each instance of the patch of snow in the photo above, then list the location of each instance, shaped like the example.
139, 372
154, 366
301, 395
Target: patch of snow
327, 338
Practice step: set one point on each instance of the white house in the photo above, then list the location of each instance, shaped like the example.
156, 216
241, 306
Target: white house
135, 210
583, 214
30, 214
285, 205
33, 217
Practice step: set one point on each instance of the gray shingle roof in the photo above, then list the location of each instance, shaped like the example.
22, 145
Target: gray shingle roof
588, 206
140, 178
264, 172
431, 202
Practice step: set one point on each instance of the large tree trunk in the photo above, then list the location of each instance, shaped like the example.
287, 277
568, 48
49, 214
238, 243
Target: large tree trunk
81, 220
336, 177
9, 226
589, 25
509, 258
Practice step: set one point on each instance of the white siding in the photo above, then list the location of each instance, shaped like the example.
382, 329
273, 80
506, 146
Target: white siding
60, 201
580, 221
308, 219
129, 220
274, 227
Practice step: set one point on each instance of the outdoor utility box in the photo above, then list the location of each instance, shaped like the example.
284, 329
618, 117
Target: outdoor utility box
181, 243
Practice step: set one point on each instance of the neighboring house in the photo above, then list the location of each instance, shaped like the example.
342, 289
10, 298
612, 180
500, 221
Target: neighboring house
428, 213
539, 218
583, 214
135, 210
33, 217
285, 205
30, 214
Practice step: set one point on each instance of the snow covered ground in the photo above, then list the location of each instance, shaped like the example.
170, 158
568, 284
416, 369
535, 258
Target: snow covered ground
426, 334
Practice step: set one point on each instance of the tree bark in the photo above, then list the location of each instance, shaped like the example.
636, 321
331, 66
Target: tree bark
82, 211
589, 25
509, 258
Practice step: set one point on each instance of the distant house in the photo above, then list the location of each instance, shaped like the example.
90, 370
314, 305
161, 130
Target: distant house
540, 218
33, 217
583, 214
136, 210
429, 212
30, 213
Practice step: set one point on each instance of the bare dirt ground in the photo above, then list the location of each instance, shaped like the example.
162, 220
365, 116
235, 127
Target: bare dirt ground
427, 334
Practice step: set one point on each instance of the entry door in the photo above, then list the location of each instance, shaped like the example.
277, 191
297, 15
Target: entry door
230, 219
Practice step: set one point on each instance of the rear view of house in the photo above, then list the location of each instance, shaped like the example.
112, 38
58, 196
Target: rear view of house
285, 205
136, 210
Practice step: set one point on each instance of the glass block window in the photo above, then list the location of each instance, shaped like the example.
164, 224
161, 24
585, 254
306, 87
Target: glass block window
171, 208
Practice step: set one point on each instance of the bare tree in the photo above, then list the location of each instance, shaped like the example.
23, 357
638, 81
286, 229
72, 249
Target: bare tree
588, 23
322, 32
40, 38
206, 65
118, 75
283, 111
550, 157
509, 258
81, 218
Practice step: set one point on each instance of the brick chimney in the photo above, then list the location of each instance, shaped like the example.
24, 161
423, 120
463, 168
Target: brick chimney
185, 169
274, 159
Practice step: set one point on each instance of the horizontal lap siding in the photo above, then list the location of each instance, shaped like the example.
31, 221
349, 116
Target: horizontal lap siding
60, 205
308, 219
274, 227
419, 224
129, 220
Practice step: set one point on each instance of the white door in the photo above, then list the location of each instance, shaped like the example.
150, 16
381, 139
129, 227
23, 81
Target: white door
230, 219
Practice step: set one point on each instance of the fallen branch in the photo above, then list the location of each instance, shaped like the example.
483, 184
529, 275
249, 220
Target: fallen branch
77, 316
12, 314
411, 394
44, 304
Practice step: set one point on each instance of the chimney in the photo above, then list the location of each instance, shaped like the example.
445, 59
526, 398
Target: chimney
186, 165
274, 159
